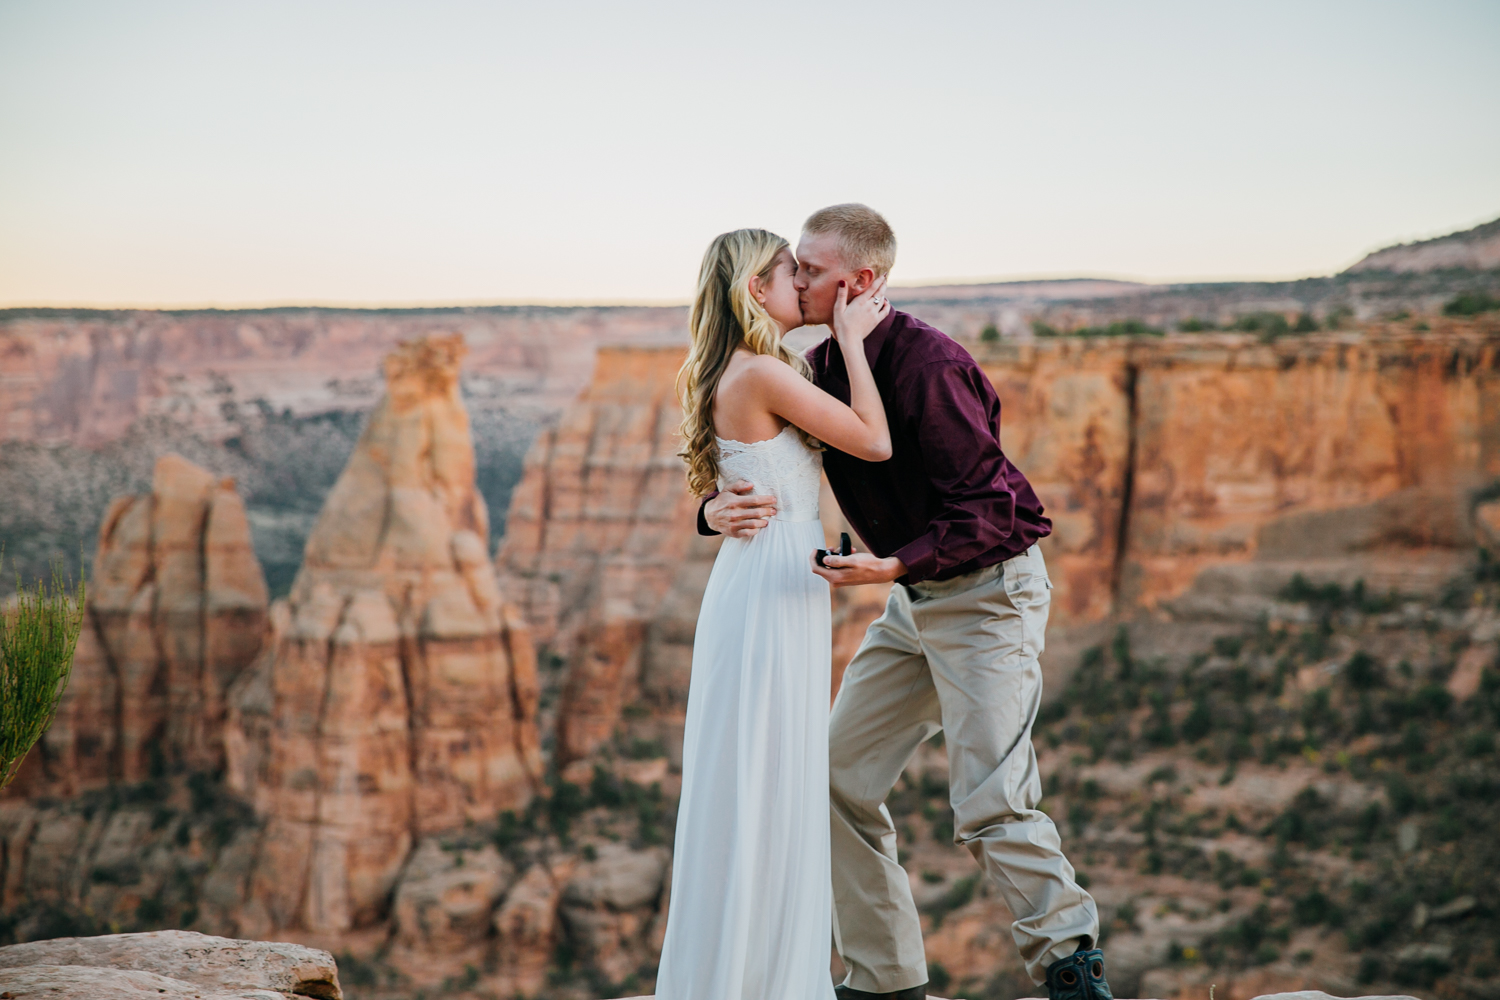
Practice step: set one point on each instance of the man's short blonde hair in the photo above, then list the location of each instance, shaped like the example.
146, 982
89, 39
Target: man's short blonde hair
865, 238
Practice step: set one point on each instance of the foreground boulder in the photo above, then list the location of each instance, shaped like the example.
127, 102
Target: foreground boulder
167, 963
81, 982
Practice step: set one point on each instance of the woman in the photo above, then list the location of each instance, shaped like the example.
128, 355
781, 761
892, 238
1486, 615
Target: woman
750, 916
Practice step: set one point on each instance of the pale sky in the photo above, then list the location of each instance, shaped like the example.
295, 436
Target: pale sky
265, 152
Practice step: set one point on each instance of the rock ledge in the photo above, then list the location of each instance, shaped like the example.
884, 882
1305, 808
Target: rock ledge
167, 963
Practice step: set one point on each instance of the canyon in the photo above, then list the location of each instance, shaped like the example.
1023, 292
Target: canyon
455, 770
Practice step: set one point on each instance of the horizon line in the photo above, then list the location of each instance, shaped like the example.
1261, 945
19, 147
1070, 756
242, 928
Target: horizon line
626, 303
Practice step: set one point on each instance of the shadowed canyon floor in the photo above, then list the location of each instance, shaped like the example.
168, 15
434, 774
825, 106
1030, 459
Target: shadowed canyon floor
1272, 674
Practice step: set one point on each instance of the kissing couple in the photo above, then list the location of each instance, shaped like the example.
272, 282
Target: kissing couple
783, 837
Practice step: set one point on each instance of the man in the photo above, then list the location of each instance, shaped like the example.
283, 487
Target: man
955, 526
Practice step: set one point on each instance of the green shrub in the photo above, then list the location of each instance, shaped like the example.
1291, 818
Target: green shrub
1265, 323
938, 978
955, 898
1305, 323
990, 334
1196, 325
1471, 304
1199, 723
1336, 318
38, 634
1363, 672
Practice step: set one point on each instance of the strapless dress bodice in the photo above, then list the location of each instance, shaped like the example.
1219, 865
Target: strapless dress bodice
781, 466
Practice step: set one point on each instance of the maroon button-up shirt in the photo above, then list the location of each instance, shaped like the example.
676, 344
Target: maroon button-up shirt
947, 502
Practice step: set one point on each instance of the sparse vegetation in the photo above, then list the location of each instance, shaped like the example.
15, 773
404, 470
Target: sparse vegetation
1351, 689
1119, 328
1471, 304
1269, 325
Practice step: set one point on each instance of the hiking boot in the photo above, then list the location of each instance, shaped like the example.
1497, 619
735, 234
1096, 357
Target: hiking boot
1080, 976
849, 993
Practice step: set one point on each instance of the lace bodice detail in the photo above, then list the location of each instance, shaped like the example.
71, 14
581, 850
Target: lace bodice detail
781, 466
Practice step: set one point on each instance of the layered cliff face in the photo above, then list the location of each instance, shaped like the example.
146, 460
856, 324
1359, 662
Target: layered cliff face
1347, 457
398, 696
1190, 473
596, 533
86, 376
176, 612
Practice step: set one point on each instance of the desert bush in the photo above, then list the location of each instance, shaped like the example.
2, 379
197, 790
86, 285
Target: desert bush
1267, 324
38, 634
990, 334
1471, 304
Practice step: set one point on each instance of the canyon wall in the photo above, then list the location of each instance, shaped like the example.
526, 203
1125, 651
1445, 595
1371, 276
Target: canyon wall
1340, 455
595, 536
85, 376
385, 790
1188, 474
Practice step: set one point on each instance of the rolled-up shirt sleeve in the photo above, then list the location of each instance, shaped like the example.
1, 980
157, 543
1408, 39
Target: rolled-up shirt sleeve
947, 408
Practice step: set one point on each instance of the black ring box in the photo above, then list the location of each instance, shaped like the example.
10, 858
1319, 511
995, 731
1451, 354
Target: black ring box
844, 549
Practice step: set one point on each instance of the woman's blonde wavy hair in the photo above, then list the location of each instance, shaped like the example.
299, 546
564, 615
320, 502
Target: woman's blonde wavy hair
725, 316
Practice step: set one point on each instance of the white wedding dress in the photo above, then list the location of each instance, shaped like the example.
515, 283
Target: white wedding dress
751, 909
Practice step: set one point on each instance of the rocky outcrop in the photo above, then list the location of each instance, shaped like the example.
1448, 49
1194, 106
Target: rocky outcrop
176, 612
184, 959
596, 531
614, 909
1476, 249
398, 696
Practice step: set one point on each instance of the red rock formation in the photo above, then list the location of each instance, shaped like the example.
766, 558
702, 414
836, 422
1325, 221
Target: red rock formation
1327, 448
1066, 423
596, 531
1157, 459
399, 694
176, 611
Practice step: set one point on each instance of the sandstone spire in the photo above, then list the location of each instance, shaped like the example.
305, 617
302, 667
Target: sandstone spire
399, 696
177, 610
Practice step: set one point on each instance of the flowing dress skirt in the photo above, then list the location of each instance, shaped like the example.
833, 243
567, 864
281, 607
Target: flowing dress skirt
751, 908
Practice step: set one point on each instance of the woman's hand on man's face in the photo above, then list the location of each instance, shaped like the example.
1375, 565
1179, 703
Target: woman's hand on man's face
853, 319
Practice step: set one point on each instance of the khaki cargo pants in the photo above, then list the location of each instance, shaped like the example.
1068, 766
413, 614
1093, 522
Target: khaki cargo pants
958, 655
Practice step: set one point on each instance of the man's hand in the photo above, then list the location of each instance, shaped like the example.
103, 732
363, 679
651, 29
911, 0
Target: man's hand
857, 568
738, 513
